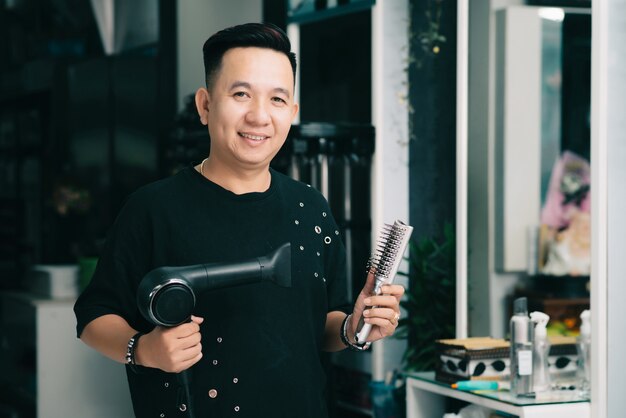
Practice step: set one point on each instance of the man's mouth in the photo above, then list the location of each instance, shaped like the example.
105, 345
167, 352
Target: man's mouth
253, 137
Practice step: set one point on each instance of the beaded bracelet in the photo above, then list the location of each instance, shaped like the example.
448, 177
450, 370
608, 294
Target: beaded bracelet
130, 350
346, 341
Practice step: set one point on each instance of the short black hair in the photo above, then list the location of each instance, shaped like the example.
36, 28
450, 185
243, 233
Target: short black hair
261, 35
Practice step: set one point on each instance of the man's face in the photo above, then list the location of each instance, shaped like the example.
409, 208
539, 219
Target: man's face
249, 108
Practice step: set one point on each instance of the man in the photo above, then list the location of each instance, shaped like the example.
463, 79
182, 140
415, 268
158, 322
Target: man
254, 349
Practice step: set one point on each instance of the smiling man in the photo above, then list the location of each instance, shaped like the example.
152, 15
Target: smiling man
248, 107
254, 350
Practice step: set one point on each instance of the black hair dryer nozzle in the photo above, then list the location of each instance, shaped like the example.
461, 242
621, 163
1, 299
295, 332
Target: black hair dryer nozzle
167, 295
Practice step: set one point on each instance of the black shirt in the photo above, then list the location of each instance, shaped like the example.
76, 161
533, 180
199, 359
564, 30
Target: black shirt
261, 343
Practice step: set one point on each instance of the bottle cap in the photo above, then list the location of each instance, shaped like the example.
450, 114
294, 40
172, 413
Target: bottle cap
541, 320
520, 306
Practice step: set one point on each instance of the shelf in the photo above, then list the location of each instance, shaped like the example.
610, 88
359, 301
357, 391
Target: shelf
426, 397
331, 12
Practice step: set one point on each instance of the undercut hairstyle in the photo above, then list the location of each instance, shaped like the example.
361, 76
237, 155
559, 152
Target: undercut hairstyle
260, 35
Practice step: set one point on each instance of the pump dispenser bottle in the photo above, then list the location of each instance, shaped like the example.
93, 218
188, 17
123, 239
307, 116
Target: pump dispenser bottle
583, 346
541, 351
521, 350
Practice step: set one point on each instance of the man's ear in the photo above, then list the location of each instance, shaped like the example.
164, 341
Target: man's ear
202, 104
296, 108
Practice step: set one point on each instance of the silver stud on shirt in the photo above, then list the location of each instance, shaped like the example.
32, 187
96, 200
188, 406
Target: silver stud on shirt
301, 204
318, 254
215, 362
219, 339
297, 222
301, 248
237, 409
327, 240
318, 229
167, 385
336, 232
235, 380
324, 214
162, 415
212, 393
316, 275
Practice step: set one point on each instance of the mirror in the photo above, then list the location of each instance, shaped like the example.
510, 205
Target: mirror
542, 131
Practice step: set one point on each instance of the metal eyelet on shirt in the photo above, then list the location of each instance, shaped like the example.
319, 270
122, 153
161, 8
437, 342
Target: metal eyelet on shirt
212, 393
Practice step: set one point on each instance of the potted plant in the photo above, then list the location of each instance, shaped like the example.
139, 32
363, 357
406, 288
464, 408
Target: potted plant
430, 299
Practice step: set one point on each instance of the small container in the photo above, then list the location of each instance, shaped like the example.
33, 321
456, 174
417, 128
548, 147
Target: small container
54, 281
541, 351
521, 350
583, 347
385, 402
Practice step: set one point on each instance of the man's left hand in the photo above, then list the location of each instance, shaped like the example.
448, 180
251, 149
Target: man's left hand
381, 311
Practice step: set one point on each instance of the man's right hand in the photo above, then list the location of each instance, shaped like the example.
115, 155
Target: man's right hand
171, 349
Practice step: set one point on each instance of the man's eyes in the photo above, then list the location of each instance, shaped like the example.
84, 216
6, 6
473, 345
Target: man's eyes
243, 94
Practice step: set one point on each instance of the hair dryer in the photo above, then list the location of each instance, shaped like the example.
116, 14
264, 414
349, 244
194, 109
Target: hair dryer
167, 295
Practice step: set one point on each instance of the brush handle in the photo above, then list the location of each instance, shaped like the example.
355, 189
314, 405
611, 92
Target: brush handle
362, 335
365, 329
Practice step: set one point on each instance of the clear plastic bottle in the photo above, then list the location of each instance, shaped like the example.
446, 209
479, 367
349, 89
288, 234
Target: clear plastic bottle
541, 351
521, 350
583, 346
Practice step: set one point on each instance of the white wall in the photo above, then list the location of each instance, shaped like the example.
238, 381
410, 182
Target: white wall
196, 21
487, 288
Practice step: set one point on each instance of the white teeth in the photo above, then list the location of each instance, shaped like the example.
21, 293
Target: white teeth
254, 137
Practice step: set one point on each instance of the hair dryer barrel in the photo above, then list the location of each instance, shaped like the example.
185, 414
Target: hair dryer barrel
274, 267
167, 295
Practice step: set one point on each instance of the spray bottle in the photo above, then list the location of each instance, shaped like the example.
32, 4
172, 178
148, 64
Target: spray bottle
521, 350
541, 351
583, 346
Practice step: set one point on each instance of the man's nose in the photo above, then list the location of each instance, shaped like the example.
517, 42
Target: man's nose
258, 113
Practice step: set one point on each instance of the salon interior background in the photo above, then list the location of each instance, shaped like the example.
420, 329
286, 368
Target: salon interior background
81, 127
87, 115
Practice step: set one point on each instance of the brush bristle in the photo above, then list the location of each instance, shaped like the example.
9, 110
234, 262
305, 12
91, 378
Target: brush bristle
388, 248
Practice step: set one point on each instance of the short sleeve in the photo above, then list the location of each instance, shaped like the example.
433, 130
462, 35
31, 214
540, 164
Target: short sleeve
121, 265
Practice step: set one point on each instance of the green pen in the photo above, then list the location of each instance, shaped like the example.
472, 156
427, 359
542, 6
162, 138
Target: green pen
478, 385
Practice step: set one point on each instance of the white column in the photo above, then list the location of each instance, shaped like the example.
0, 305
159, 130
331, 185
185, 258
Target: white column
608, 153
462, 97
390, 186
